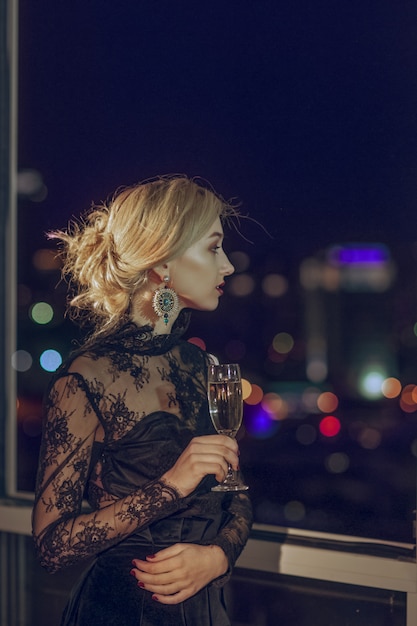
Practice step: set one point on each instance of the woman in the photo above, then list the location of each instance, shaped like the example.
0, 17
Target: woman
127, 423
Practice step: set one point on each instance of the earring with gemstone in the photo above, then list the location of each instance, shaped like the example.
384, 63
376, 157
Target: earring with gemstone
165, 301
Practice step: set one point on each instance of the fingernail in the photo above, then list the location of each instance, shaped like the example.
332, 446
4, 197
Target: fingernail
151, 556
133, 563
132, 572
155, 598
141, 584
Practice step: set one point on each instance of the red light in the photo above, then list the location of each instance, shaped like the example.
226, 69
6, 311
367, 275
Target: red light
330, 426
197, 341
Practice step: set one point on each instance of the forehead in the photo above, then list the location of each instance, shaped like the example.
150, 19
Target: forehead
215, 230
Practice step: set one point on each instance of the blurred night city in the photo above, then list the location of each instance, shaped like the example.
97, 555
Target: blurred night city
305, 114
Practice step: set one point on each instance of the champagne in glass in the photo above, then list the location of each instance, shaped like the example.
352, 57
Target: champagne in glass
226, 410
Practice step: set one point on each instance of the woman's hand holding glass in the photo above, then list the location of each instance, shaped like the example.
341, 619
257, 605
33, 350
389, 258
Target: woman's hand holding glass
209, 454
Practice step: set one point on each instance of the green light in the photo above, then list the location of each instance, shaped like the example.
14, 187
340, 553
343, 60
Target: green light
42, 313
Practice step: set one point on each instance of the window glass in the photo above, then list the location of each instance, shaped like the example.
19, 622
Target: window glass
321, 312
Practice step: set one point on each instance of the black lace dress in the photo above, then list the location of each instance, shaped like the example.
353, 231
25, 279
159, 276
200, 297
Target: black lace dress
118, 414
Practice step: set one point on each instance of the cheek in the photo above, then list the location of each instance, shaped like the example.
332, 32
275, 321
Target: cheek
194, 276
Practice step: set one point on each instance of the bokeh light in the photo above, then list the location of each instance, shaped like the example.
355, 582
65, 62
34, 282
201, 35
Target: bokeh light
306, 434
369, 438
50, 360
370, 382
274, 356
246, 388
274, 285
309, 399
258, 422
283, 343
391, 387
311, 273
407, 400
327, 402
41, 313
294, 511
241, 285
255, 396
46, 260
275, 406
21, 360
30, 184
316, 370
337, 463
330, 426
198, 341
240, 260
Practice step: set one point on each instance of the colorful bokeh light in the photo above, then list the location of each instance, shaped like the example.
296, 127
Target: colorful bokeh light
41, 313
246, 388
327, 402
330, 426
255, 396
50, 360
258, 422
391, 387
197, 341
283, 343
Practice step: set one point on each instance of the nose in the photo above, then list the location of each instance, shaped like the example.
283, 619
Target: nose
228, 268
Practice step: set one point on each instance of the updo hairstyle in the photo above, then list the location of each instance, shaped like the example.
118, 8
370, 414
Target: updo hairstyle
107, 255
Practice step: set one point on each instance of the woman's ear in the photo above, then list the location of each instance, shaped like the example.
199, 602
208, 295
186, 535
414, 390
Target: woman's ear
158, 273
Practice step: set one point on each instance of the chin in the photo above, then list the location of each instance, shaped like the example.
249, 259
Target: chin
204, 307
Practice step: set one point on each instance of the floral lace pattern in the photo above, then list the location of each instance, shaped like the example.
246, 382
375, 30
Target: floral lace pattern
116, 414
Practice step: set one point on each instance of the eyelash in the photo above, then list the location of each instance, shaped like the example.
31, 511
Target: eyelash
215, 249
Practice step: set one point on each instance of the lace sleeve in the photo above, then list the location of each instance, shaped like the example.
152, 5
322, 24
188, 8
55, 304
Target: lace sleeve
233, 537
62, 533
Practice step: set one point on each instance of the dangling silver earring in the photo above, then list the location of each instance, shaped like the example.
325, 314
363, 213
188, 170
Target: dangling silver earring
165, 301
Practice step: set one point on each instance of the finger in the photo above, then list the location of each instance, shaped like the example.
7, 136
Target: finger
162, 561
221, 476
163, 590
217, 440
221, 457
158, 573
166, 553
175, 598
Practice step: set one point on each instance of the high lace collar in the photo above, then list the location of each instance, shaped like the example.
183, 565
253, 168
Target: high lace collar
132, 338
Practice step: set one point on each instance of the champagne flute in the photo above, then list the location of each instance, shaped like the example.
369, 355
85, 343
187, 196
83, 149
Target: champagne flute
226, 410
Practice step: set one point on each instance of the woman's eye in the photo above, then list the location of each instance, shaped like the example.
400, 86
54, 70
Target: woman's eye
215, 249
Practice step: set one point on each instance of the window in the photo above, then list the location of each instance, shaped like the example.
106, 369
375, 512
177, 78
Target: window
321, 312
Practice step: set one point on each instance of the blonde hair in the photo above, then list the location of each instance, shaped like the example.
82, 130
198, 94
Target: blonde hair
107, 254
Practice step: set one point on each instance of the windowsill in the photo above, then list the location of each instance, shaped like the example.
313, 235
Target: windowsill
15, 516
295, 552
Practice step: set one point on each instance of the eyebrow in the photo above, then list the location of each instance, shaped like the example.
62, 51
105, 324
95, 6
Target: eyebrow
216, 234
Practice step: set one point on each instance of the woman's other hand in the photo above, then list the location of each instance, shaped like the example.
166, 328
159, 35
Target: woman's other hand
180, 571
210, 454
